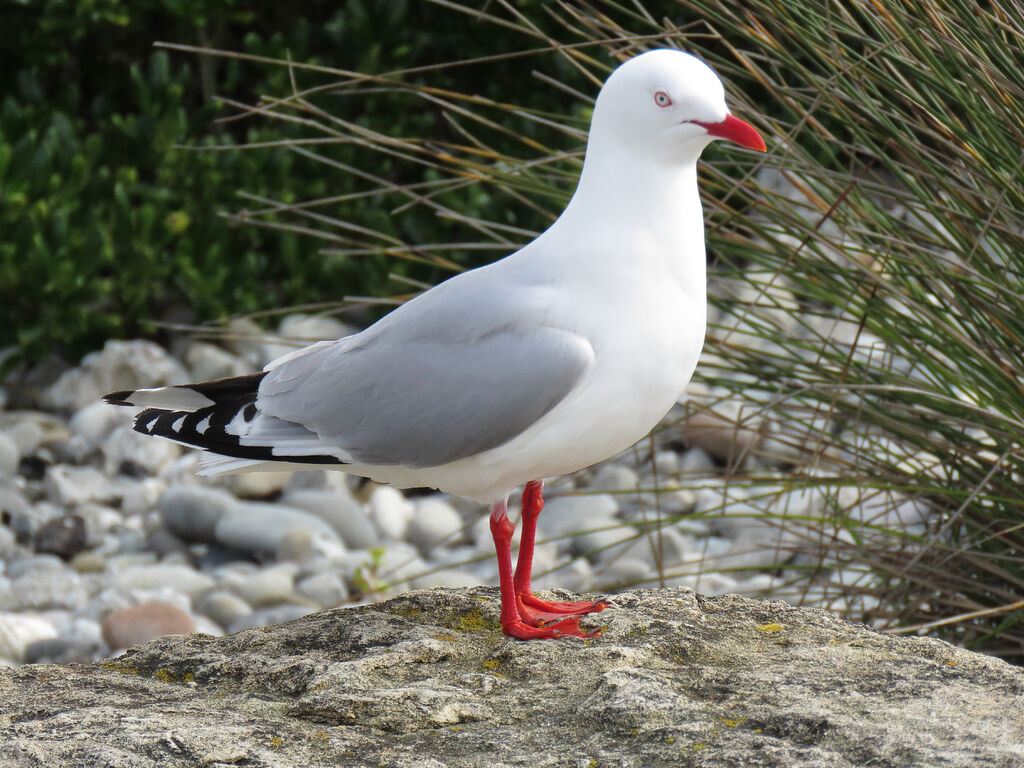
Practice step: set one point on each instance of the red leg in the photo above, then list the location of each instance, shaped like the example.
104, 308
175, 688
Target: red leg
532, 609
512, 623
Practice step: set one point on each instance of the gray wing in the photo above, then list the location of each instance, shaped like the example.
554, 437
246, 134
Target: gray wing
428, 399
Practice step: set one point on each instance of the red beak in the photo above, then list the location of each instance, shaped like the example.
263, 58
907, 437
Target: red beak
734, 129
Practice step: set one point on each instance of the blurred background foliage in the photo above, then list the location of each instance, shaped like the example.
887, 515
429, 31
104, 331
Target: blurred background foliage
106, 224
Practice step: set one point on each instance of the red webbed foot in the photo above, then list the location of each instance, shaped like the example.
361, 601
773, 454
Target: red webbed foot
564, 628
539, 612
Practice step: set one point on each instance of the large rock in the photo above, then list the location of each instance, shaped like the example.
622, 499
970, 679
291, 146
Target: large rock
426, 679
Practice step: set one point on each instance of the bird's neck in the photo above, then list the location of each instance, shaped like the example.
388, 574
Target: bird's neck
643, 212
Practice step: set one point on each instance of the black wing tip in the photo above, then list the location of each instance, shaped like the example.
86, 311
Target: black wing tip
119, 398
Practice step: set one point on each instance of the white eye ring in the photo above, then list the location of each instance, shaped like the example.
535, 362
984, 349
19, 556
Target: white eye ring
662, 99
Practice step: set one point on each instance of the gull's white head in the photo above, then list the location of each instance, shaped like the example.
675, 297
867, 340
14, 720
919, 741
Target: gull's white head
666, 105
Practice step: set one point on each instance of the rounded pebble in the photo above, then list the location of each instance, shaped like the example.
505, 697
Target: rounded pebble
142, 623
19, 630
390, 512
223, 607
68, 485
258, 485
63, 536
258, 527
126, 447
91, 424
324, 589
178, 578
266, 586
10, 457
42, 590
434, 522
568, 515
338, 509
192, 513
7, 545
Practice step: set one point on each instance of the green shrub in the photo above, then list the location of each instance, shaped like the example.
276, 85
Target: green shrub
107, 224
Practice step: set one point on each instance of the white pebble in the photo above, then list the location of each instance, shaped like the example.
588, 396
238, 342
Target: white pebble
614, 477
179, 578
267, 586
67, 485
10, 456
568, 515
125, 445
434, 523
324, 589
258, 527
20, 630
390, 512
90, 425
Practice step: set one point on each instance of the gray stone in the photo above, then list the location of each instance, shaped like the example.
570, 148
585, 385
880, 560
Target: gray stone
69, 486
99, 520
614, 478
570, 515
43, 590
162, 542
192, 513
244, 337
62, 536
390, 512
297, 546
18, 631
257, 527
427, 680
10, 455
434, 523
90, 426
577, 576
258, 485
398, 563
61, 650
151, 578
338, 509
600, 543
29, 430
303, 330
668, 545
265, 586
88, 562
208, 361
7, 544
709, 583
125, 446
623, 572
696, 463
17, 514
40, 563
324, 589
141, 496
728, 434
223, 607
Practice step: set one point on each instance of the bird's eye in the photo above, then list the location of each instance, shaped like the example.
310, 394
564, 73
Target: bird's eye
662, 99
